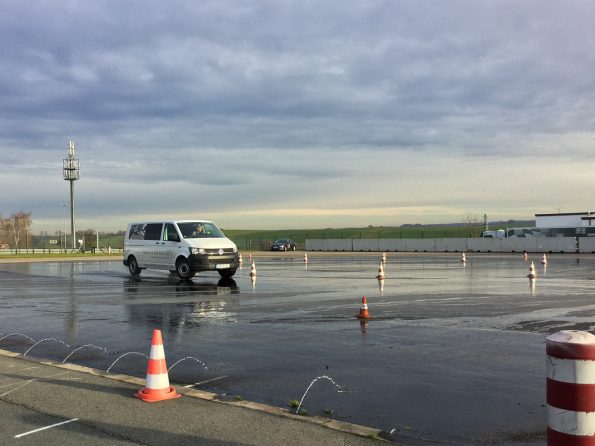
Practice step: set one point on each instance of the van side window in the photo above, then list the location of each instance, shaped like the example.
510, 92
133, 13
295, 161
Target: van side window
170, 234
153, 231
137, 232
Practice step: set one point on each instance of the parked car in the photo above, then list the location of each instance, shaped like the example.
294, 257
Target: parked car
283, 245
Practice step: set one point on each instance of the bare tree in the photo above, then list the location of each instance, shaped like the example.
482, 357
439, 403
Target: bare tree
473, 224
89, 236
17, 226
3, 237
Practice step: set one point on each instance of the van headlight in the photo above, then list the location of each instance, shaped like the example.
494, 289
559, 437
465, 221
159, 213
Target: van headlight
197, 251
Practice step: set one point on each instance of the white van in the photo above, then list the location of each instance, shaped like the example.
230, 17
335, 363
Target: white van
184, 247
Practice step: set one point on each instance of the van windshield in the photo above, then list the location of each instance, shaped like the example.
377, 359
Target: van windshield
200, 229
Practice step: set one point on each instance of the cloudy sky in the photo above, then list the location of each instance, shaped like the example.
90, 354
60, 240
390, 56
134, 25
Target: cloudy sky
297, 114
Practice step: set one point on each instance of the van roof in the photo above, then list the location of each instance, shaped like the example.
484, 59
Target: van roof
169, 221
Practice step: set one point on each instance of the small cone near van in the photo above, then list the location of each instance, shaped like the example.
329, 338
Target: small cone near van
253, 270
363, 311
240, 258
157, 387
380, 275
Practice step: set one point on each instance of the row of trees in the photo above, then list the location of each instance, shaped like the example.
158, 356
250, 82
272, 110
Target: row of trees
15, 230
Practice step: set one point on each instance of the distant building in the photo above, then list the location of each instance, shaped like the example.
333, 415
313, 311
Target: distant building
573, 224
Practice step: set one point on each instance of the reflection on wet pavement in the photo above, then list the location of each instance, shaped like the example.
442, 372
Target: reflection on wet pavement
446, 340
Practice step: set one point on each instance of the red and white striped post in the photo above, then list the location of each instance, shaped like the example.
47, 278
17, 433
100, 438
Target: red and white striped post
571, 388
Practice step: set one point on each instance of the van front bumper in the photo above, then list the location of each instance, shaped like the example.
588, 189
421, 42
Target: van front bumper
213, 262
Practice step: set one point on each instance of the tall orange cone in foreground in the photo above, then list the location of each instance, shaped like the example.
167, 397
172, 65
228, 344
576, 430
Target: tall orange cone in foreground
363, 311
158, 388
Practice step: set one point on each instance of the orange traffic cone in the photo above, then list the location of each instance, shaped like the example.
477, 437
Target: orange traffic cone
157, 388
380, 275
544, 260
532, 274
383, 257
253, 270
240, 258
363, 311
305, 257
463, 258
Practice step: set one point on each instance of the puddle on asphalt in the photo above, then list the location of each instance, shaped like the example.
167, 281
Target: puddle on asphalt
444, 342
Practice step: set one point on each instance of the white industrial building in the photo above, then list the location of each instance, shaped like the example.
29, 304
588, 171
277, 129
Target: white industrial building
570, 224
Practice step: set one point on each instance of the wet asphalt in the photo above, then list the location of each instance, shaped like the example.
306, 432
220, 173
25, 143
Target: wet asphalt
453, 354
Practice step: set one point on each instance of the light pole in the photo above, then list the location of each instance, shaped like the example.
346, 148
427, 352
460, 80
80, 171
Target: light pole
71, 171
64, 246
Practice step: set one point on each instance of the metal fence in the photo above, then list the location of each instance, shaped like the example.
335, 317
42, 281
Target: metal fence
58, 251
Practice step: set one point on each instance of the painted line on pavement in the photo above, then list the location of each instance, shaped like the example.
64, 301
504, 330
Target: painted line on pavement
44, 428
21, 384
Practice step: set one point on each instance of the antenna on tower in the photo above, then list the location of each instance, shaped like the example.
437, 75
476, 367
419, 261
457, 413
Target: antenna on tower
71, 172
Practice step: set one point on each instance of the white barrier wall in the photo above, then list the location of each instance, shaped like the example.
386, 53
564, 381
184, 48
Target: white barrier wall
329, 245
391, 244
586, 244
339, 245
516, 244
365, 244
420, 245
541, 244
556, 244
484, 245
451, 244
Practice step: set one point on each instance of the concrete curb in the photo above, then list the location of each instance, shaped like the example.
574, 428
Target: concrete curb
340, 426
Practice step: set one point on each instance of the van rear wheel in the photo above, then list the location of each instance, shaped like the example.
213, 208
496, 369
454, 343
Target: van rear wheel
183, 270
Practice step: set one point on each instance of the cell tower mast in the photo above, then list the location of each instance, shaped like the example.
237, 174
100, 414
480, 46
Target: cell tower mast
71, 171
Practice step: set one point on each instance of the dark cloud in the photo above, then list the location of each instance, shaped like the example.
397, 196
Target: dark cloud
145, 86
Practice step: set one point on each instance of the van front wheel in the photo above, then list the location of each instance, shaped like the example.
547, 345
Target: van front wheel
133, 266
183, 270
227, 273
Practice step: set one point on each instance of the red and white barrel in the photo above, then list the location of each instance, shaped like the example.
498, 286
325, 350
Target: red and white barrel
571, 388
